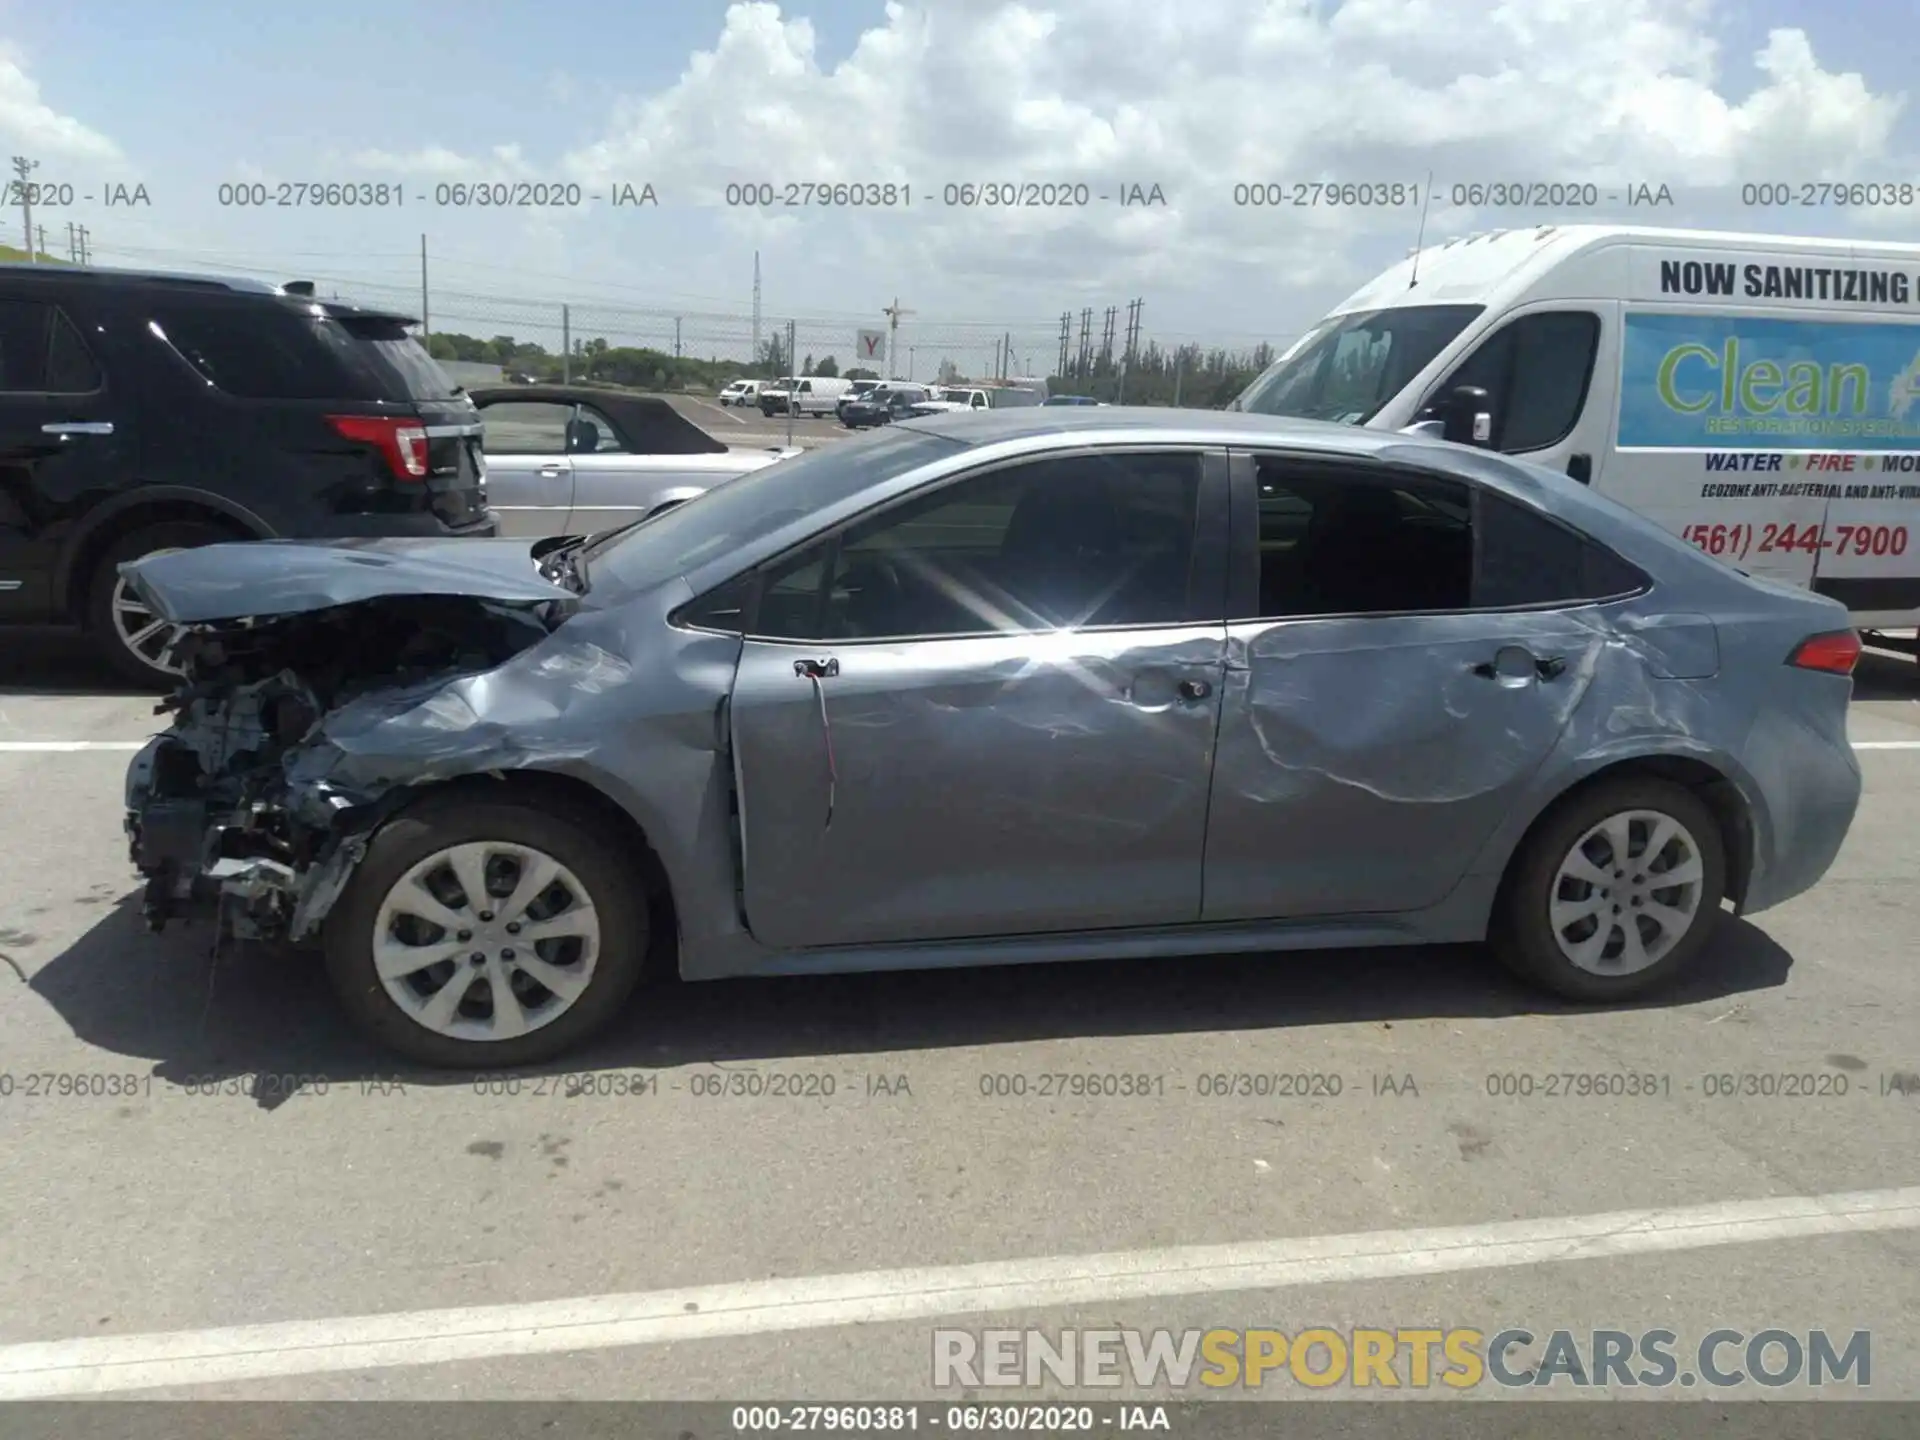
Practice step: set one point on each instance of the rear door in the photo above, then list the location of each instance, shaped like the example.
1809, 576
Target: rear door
613, 486
529, 474
1404, 654
989, 710
67, 441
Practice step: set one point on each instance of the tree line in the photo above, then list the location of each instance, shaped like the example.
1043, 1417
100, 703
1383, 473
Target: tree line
1186, 375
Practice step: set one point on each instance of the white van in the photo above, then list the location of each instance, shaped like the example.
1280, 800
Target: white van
741, 392
1757, 395
818, 394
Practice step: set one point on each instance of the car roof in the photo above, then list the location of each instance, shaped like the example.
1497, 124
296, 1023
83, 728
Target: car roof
108, 276
1067, 426
648, 425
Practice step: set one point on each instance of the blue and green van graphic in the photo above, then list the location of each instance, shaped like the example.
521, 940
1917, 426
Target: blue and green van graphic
1742, 382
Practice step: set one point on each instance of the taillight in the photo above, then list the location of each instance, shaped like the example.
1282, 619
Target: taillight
1835, 652
403, 442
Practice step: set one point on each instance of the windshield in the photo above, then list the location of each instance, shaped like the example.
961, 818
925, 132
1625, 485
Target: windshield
1351, 365
743, 511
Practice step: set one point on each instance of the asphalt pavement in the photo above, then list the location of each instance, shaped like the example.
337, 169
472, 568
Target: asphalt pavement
779, 1189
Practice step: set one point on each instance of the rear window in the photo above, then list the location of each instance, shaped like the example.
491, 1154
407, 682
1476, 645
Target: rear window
404, 368
259, 351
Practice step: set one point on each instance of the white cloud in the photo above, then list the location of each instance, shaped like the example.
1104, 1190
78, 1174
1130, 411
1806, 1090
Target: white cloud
1199, 95
37, 128
1196, 96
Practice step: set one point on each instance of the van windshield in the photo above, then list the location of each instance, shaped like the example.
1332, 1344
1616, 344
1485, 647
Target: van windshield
1349, 366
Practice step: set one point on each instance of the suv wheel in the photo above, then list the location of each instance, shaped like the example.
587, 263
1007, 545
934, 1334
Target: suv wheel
1615, 895
481, 933
132, 640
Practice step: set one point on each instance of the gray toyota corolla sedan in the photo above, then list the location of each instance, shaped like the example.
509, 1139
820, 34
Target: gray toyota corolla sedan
1042, 684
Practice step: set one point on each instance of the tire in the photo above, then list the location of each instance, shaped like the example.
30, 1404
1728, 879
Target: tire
106, 598
1523, 935
589, 859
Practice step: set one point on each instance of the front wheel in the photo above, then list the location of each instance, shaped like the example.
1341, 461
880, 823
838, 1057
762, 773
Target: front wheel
132, 639
483, 933
1616, 893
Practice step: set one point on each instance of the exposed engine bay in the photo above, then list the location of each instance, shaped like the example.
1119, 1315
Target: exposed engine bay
235, 811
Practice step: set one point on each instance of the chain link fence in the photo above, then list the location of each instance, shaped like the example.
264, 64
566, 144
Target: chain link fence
699, 351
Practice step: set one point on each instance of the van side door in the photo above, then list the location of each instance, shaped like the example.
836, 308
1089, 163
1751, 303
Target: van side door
1551, 371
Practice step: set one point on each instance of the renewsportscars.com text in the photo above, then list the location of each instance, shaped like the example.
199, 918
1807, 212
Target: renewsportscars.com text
1458, 1358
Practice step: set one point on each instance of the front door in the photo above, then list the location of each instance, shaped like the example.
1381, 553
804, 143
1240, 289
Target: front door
66, 442
989, 710
1552, 398
529, 473
1387, 702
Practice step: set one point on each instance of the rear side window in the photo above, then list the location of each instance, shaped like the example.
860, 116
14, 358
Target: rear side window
1527, 559
41, 353
400, 364
258, 351
1337, 541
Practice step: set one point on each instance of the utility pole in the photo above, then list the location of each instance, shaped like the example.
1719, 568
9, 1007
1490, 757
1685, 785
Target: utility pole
1066, 338
566, 345
676, 337
754, 359
40, 234
791, 396
426, 322
73, 244
1179, 373
893, 313
84, 253
1086, 340
23, 169
1106, 336
997, 371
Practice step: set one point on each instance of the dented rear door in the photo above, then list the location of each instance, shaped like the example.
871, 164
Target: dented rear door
1366, 757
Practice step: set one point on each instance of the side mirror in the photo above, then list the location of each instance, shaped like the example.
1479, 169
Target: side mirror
1467, 417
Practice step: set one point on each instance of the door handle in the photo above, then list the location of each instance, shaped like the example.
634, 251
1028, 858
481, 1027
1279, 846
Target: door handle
817, 669
549, 472
77, 427
1195, 689
1547, 667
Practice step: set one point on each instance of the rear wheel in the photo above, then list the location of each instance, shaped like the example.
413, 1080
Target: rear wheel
131, 638
484, 933
1616, 893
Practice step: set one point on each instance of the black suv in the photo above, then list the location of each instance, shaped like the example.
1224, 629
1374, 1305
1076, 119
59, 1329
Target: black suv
146, 412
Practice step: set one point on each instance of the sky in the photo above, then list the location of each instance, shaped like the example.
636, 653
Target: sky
1175, 104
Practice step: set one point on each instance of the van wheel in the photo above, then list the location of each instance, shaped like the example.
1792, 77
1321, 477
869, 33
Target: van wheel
130, 637
1615, 894
481, 933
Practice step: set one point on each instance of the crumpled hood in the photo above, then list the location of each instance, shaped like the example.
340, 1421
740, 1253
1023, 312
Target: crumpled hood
284, 577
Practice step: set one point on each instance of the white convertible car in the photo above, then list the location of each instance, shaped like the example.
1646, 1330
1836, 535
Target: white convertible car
571, 459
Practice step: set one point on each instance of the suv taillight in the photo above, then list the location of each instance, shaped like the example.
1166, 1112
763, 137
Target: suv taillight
403, 442
1836, 652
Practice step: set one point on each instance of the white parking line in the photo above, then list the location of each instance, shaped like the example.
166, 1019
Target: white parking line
1886, 744
64, 747
109, 1364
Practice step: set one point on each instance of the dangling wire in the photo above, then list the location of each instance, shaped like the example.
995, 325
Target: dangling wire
826, 731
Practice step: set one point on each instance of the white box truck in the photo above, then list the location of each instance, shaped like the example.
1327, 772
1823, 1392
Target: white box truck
1758, 395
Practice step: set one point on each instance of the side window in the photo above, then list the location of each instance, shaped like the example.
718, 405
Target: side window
524, 427
1537, 371
23, 346
71, 369
1528, 559
1071, 543
255, 351
591, 433
1334, 541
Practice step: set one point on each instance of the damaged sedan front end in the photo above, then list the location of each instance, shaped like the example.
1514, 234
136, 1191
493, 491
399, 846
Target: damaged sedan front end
242, 810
